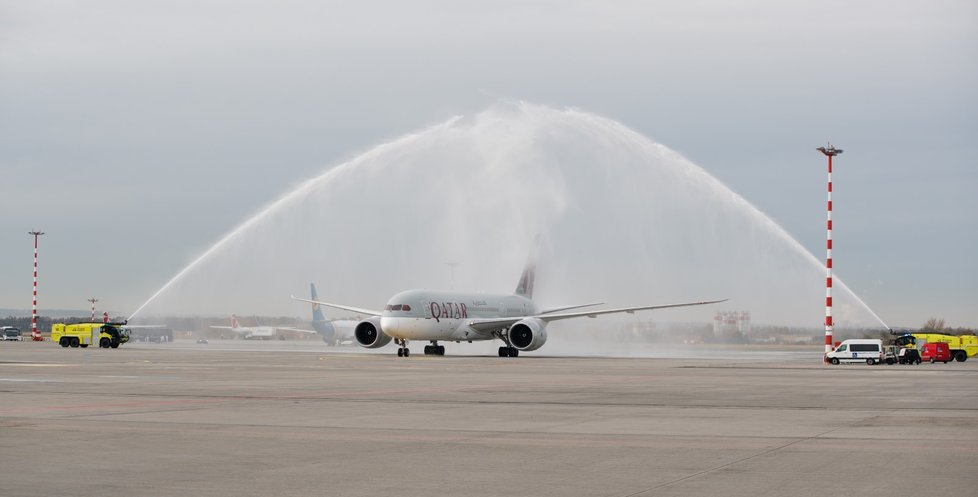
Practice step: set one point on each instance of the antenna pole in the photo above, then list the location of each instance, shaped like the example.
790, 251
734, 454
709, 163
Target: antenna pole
35, 335
829, 152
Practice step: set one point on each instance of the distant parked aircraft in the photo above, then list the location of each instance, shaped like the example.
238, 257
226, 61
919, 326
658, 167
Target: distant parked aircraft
256, 332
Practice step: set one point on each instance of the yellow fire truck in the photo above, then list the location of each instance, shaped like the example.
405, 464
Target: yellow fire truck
105, 335
962, 347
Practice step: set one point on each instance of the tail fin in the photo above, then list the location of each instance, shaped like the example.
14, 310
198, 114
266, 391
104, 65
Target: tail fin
317, 312
322, 326
525, 286
234, 322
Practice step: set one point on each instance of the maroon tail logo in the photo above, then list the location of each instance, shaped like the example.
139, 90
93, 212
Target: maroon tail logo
525, 287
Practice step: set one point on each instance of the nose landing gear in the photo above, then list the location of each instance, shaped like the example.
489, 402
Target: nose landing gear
403, 350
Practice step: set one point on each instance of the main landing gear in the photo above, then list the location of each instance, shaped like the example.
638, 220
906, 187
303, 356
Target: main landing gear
434, 349
508, 350
403, 350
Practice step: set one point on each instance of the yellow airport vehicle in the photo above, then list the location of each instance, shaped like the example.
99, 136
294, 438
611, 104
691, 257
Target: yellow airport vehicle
105, 335
962, 347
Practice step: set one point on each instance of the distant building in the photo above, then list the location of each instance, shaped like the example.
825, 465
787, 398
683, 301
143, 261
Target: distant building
726, 323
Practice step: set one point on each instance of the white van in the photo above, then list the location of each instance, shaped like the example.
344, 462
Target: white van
865, 350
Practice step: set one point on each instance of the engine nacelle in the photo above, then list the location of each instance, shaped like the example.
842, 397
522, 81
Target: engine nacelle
369, 334
528, 334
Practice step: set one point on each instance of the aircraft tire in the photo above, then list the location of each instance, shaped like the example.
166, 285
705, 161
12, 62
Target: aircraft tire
407, 352
441, 350
400, 352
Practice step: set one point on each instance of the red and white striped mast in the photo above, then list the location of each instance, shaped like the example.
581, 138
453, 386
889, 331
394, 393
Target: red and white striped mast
829, 152
35, 335
93, 300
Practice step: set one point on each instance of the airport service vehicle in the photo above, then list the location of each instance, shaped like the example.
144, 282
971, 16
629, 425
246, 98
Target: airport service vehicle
962, 347
456, 317
10, 334
936, 351
909, 356
868, 350
105, 335
891, 354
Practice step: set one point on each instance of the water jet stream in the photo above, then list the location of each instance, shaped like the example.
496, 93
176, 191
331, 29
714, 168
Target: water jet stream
629, 221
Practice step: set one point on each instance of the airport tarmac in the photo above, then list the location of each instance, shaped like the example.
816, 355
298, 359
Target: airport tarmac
298, 418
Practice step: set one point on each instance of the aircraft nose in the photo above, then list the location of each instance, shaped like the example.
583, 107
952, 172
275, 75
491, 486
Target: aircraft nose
388, 324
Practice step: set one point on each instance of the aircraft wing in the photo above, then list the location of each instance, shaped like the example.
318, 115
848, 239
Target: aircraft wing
494, 324
558, 309
236, 330
357, 310
297, 330
628, 310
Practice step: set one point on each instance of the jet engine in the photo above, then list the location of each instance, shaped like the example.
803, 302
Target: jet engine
369, 334
528, 334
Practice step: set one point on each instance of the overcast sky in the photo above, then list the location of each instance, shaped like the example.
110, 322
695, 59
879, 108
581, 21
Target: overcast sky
154, 127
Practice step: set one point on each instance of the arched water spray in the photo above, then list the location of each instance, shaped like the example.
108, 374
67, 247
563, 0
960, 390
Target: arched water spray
628, 221
293, 196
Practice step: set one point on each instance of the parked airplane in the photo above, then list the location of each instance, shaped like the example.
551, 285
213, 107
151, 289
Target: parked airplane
335, 332
257, 332
450, 316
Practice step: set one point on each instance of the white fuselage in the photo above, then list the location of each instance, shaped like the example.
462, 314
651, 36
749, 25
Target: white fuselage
250, 332
445, 315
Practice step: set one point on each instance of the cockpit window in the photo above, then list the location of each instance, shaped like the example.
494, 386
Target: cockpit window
396, 307
388, 307
406, 307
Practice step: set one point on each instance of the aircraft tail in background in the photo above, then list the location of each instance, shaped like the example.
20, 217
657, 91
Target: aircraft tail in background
322, 325
317, 312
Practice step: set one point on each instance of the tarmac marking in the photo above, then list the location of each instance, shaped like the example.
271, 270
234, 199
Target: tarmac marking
736, 461
36, 364
142, 404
